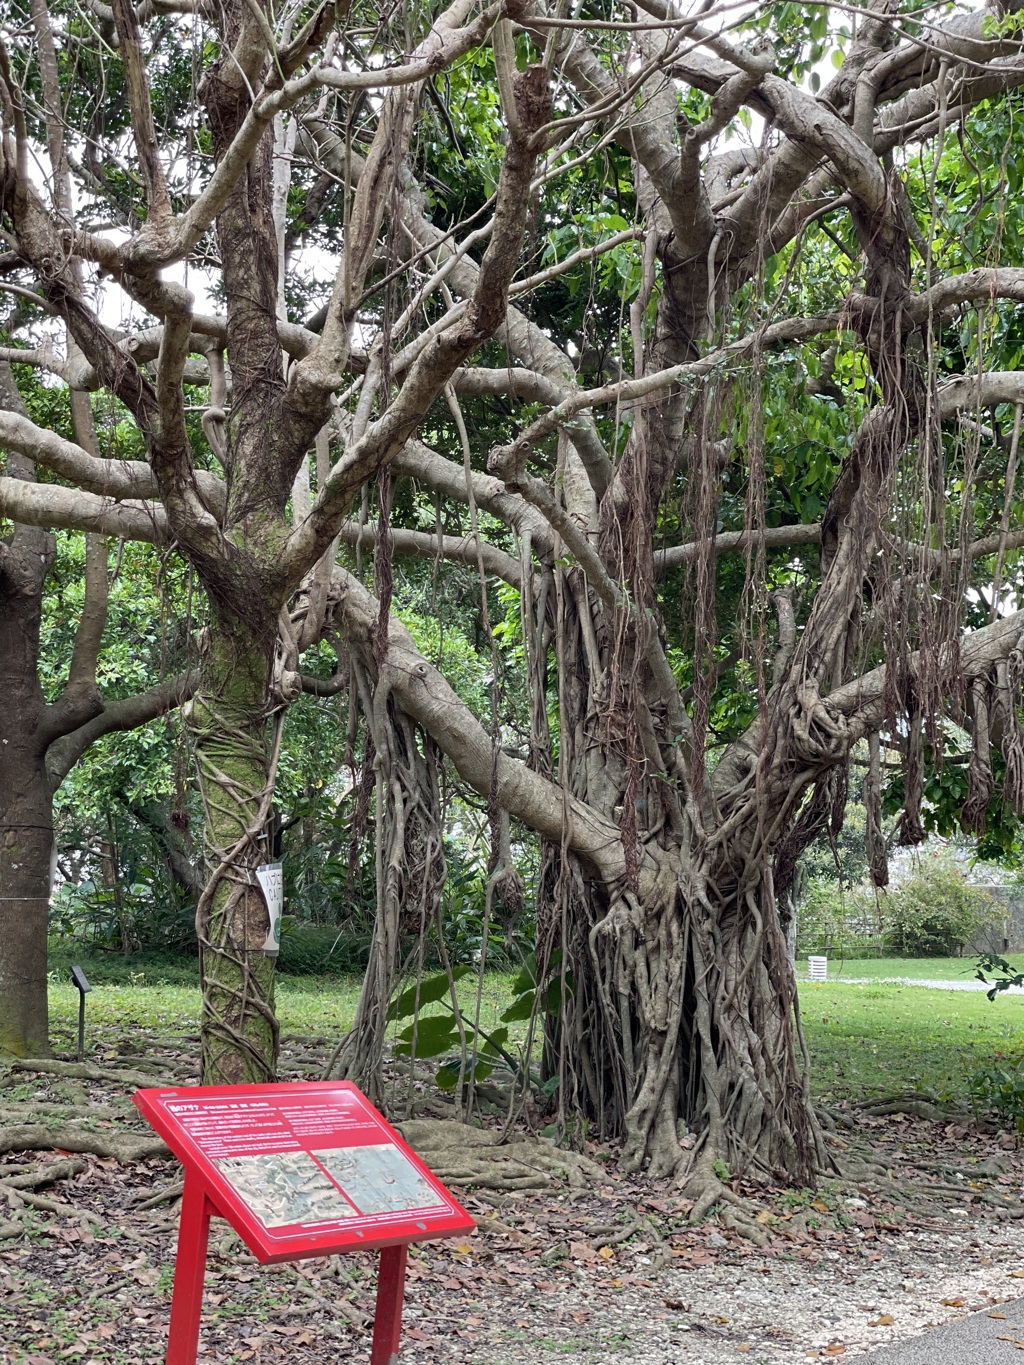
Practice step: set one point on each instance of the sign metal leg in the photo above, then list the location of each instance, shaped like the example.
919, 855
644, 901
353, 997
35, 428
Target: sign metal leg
387, 1321
189, 1273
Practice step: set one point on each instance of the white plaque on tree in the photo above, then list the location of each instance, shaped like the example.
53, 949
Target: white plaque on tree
271, 879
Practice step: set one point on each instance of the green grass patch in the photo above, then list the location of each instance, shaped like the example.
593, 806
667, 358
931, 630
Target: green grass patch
310, 1005
906, 968
864, 1040
877, 1039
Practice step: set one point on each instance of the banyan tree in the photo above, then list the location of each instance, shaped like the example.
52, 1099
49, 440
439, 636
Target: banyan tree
695, 326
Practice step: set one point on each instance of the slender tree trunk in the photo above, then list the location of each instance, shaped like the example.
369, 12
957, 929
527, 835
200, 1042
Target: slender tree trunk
26, 842
26, 813
235, 758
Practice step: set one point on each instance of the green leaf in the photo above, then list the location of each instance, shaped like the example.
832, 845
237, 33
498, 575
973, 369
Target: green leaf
520, 1009
433, 1036
423, 993
494, 1042
447, 1077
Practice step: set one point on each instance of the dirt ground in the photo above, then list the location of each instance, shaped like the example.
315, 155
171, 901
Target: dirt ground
608, 1272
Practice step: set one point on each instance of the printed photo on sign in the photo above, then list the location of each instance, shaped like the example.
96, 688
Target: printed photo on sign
287, 1188
378, 1179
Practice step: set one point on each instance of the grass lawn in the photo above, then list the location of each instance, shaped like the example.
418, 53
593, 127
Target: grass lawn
884, 1038
324, 1006
905, 968
864, 1040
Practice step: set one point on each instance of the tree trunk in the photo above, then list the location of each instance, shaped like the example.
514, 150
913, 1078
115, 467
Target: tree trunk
680, 1017
235, 759
26, 843
26, 813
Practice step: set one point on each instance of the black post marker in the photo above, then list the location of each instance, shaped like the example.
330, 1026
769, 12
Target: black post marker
79, 978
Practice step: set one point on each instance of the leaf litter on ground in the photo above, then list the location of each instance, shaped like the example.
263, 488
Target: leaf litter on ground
610, 1272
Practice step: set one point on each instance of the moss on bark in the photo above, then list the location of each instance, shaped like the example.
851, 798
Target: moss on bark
235, 759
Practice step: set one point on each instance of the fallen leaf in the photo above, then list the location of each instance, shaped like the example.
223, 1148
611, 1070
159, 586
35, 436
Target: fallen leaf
997, 1315
463, 1248
883, 1320
836, 1349
953, 1303
1016, 1274
607, 1253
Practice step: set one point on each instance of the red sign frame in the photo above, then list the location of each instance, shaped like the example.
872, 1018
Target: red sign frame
299, 1169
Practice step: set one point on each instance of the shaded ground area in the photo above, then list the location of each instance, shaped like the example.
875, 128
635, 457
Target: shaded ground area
607, 1272
548, 1276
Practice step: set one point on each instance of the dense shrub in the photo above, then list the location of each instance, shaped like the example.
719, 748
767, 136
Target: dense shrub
321, 950
838, 921
936, 911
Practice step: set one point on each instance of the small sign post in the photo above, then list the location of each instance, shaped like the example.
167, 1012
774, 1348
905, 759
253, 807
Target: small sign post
81, 982
299, 1169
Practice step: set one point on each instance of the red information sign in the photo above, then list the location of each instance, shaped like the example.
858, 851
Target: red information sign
298, 1169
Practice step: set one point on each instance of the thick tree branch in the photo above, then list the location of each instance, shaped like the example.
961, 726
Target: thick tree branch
441, 357
445, 44
424, 694
35, 504
426, 545
627, 390
115, 479
116, 716
147, 144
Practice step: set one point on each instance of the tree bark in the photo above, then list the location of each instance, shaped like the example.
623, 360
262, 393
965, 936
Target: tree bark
26, 814
26, 836
229, 719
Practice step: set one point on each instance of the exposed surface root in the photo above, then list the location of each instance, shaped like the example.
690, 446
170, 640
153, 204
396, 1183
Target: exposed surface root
462, 1155
43, 1175
19, 1186
123, 1147
920, 1108
84, 1071
164, 1196
708, 1191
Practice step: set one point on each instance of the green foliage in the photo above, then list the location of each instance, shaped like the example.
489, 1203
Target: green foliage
936, 911
998, 1091
435, 1035
320, 949
839, 921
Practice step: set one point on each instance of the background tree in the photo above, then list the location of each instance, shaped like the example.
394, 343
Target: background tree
696, 679
41, 739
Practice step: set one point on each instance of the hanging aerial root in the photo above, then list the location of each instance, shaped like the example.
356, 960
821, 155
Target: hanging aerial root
980, 780
874, 839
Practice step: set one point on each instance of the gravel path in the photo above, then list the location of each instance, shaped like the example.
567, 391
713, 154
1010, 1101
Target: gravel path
762, 1311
